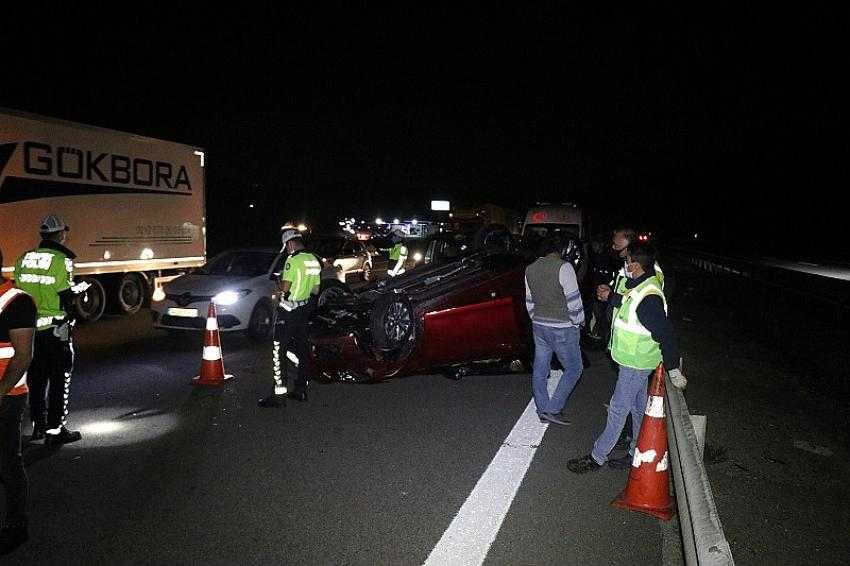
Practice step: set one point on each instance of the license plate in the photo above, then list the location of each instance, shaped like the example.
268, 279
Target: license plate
189, 313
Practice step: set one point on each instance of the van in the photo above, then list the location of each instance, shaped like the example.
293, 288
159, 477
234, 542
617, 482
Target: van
545, 220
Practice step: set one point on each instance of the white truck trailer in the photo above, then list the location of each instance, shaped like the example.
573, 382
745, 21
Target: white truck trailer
134, 205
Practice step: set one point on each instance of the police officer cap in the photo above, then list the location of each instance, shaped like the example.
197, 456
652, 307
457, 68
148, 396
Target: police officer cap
51, 224
288, 234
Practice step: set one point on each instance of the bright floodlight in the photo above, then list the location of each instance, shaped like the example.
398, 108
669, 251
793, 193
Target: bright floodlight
379, 221
395, 220
440, 205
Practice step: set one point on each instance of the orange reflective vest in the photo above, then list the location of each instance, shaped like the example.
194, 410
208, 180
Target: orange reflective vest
7, 294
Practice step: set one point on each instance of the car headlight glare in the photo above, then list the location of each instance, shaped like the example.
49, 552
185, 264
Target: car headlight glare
417, 257
226, 298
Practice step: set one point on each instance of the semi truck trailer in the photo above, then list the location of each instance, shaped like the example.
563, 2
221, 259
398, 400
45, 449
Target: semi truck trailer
134, 205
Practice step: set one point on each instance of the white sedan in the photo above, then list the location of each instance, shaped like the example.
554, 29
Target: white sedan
240, 281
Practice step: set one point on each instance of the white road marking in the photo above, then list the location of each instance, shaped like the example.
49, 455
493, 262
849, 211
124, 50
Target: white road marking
474, 528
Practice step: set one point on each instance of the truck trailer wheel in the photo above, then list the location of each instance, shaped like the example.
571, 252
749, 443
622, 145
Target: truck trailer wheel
91, 303
128, 294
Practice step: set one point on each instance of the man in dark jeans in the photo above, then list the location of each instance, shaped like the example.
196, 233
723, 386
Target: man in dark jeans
17, 329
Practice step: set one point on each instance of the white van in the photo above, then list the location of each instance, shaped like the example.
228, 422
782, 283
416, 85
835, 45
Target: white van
545, 220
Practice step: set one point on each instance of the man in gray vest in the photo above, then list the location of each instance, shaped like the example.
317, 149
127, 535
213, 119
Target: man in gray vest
554, 304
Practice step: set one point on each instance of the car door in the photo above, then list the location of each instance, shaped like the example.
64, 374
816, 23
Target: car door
273, 277
349, 260
483, 322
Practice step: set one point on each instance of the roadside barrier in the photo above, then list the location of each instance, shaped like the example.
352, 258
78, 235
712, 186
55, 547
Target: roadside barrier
647, 489
212, 364
703, 540
803, 316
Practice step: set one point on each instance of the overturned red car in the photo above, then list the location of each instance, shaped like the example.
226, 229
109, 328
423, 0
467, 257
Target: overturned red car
449, 318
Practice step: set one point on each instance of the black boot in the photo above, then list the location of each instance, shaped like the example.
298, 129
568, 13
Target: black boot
299, 395
64, 436
38, 431
271, 401
13, 535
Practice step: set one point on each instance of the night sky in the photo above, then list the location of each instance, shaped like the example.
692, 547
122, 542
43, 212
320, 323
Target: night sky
729, 123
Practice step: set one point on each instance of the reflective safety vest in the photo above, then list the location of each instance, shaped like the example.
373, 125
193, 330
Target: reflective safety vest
7, 351
631, 343
303, 271
44, 273
398, 251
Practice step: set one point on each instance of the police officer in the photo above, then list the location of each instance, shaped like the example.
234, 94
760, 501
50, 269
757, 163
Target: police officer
46, 274
17, 331
299, 288
398, 255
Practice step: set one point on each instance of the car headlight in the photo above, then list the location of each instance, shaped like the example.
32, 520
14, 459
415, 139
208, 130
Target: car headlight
417, 257
226, 298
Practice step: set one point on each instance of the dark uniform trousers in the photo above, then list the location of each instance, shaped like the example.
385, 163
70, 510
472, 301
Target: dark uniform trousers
12, 473
49, 376
292, 327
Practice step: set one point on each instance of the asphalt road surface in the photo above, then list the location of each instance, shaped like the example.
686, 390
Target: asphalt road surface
168, 473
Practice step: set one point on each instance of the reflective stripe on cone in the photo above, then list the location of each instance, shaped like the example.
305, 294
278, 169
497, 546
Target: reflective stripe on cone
212, 364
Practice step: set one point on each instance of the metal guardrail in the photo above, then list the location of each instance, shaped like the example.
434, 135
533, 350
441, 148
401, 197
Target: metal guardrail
703, 540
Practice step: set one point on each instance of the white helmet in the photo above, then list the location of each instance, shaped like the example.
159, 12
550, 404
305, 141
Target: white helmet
288, 234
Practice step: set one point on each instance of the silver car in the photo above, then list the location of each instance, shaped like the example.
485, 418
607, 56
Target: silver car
345, 259
240, 281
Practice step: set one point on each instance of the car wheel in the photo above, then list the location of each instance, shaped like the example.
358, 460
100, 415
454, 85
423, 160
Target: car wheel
261, 322
330, 289
393, 323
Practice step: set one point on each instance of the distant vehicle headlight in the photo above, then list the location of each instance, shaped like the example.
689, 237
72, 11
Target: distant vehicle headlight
417, 257
226, 298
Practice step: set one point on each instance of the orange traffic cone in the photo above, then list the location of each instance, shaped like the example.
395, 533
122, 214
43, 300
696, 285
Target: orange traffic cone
212, 366
647, 488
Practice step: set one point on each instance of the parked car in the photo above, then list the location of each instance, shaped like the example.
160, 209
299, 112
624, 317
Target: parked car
448, 318
241, 284
343, 258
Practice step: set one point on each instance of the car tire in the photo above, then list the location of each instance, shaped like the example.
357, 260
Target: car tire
392, 323
331, 288
261, 323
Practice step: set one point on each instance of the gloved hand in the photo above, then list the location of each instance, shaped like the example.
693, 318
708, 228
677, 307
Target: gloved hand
678, 378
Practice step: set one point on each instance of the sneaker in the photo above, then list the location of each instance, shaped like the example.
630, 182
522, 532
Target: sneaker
64, 436
621, 463
554, 419
271, 401
12, 536
583, 465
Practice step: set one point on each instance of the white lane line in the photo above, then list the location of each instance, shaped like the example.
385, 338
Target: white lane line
474, 528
